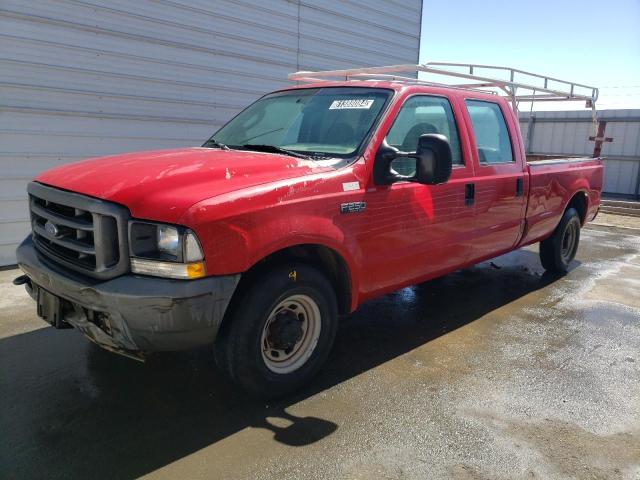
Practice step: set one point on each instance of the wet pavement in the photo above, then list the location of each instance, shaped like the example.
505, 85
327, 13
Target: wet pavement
498, 371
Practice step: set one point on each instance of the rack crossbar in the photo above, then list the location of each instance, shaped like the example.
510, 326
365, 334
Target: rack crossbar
537, 87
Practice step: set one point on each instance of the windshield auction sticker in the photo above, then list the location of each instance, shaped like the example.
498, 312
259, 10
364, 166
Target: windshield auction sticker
356, 103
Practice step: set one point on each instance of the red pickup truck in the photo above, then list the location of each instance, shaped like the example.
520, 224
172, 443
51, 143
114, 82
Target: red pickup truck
311, 201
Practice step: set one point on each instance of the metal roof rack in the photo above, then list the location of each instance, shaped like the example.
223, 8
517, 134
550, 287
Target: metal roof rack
518, 85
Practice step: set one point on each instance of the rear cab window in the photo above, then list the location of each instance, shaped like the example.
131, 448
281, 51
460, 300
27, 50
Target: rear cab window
491, 133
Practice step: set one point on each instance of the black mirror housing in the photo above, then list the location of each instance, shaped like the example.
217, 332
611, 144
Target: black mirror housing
434, 161
382, 165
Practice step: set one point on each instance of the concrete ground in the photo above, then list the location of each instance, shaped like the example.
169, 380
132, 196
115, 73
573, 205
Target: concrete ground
496, 372
611, 220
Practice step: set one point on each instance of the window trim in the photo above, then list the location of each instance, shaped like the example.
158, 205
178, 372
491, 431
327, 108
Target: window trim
513, 160
455, 121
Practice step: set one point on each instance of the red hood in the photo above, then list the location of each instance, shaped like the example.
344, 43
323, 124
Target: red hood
163, 184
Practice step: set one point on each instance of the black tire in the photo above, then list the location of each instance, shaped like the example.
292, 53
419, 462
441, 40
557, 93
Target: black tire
239, 347
557, 251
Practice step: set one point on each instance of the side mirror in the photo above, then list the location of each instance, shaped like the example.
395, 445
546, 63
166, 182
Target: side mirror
433, 159
433, 162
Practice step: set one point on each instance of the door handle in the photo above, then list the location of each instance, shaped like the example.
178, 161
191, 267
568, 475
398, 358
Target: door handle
469, 193
519, 187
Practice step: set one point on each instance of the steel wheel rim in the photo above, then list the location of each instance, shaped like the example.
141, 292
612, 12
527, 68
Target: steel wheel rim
569, 241
286, 360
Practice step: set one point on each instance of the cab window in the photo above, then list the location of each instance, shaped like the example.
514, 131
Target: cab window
419, 115
491, 133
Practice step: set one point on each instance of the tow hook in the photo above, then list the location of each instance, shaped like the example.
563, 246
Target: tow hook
21, 280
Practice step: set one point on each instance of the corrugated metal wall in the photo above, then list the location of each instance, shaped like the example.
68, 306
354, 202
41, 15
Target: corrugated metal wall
87, 78
568, 133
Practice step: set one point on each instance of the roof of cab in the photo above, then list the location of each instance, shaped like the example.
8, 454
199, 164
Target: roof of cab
400, 87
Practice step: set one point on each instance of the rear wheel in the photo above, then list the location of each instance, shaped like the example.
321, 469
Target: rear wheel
280, 331
557, 251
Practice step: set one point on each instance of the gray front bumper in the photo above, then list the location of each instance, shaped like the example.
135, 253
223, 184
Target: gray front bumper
144, 313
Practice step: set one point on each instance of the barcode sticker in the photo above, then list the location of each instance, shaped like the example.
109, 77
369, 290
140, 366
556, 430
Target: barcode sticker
348, 186
355, 103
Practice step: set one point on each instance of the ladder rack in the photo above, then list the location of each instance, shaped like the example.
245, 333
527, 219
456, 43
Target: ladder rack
512, 83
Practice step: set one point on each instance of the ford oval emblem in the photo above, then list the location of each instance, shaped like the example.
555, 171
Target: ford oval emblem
51, 229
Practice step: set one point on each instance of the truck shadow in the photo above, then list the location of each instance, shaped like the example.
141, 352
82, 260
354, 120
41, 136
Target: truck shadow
73, 410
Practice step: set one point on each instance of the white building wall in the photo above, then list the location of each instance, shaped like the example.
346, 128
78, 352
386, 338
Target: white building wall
83, 78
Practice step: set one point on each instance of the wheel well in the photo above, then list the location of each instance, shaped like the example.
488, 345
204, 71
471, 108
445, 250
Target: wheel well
579, 202
325, 259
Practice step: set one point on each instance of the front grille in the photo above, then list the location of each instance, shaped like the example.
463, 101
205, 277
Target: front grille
82, 233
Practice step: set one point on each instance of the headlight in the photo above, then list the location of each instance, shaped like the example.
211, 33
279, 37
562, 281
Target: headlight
168, 240
165, 251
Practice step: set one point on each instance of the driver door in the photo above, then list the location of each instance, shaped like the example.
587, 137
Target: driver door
418, 231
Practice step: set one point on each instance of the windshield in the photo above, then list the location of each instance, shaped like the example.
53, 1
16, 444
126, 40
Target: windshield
318, 122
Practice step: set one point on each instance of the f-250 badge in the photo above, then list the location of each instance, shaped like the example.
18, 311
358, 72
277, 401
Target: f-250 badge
352, 207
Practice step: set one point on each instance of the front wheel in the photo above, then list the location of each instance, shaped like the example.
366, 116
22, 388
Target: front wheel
557, 251
280, 331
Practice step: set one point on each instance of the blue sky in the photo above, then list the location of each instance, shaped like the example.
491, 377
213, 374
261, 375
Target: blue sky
595, 43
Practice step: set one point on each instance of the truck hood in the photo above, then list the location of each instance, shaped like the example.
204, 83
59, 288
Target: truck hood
161, 185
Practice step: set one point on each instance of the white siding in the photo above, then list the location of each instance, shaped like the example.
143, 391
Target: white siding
83, 78
568, 133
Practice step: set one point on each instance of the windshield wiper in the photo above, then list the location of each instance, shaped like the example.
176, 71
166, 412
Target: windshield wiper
215, 143
274, 149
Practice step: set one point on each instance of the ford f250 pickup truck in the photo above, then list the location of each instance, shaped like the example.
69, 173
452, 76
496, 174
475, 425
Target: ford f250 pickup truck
309, 202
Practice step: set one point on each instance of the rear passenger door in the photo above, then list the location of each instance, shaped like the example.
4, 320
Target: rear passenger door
499, 179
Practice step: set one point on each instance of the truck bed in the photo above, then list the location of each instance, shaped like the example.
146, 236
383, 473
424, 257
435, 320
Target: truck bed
554, 180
